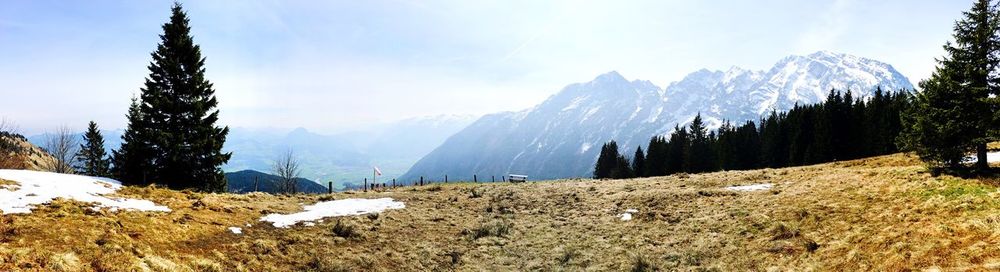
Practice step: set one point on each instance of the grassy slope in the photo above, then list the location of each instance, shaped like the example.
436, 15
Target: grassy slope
883, 213
31, 157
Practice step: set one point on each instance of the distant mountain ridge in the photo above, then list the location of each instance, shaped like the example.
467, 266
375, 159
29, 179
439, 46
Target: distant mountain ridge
342, 158
561, 137
244, 182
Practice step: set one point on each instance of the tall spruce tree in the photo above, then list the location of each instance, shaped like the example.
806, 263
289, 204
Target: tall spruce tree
611, 164
639, 163
676, 147
937, 126
607, 161
656, 157
93, 160
955, 113
698, 156
172, 137
134, 158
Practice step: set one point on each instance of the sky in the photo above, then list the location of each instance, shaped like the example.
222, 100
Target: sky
333, 66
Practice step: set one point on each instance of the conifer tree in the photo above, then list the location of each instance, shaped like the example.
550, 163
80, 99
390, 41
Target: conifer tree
611, 164
607, 161
133, 160
172, 137
676, 146
955, 113
639, 163
698, 156
656, 157
937, 126
622, 169
93, 160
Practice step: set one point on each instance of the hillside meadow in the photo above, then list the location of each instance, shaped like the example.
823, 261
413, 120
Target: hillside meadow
883, 213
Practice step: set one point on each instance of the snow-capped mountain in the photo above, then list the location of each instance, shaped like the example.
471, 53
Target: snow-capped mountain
562, 136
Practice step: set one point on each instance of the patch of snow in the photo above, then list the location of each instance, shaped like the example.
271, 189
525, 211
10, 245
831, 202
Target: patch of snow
635, 113
236, 230
751, 188
584, 147
309, 224
342, 207
42, 187
575, 103
655, 115
991, 157
627, 215
590, 112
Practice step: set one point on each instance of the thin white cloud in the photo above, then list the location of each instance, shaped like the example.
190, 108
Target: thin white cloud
829, 30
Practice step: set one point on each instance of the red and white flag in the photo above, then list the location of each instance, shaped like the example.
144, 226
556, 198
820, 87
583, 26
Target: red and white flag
377, 172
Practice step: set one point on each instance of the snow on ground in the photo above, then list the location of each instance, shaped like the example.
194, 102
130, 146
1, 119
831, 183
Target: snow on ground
751, 188
991, 157
343, 207
627, 215
36, 188
236, 230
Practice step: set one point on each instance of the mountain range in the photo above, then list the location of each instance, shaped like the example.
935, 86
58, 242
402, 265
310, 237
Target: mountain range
343, 158
562, 136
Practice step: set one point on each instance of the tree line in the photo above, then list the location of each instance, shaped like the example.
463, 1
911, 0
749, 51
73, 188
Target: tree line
840, 128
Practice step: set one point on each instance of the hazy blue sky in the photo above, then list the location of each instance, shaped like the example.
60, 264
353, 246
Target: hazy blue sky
333, 65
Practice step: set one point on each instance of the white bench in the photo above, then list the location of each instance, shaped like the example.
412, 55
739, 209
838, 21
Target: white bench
517, 178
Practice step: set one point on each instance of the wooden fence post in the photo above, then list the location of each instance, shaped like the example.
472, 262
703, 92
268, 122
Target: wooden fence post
503, 178
393, 183
366, 184
255, 184
329, 188
493, 178
421, 180
474, 178
445, 178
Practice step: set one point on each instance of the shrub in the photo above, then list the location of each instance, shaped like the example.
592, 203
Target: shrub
475, 193
568, 254
344, 230
640, 264
782, 232
64, 262
497, 227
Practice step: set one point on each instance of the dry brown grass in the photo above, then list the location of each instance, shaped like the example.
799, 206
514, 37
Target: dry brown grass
4, 182
882, 213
